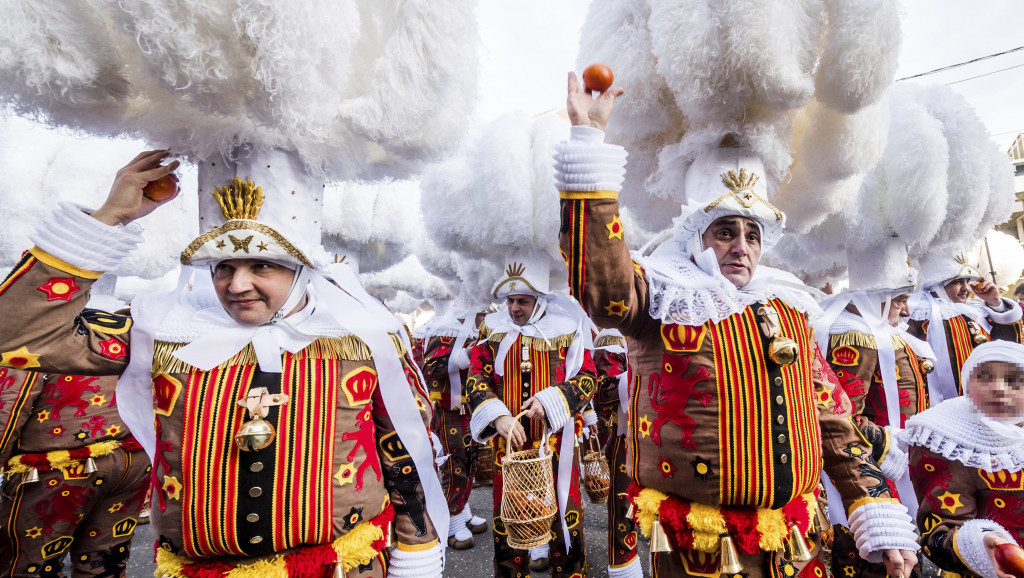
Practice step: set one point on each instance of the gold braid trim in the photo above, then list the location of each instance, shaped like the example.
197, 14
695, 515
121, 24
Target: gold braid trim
195, 245
610, 340
859, 339
536, 343
349, 348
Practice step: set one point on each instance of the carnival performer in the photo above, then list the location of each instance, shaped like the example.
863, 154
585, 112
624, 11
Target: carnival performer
447, 339
228, 377
736, 408
949, 283
534, 359
967, 463
612, 398
881, 368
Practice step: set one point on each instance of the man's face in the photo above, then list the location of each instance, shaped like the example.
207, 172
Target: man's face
1018, 294
250, 290
997, 389
958, 291
898, 308
737, 244
520, 308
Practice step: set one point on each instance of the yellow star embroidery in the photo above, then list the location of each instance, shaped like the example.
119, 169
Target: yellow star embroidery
34, 532
113, 430
221, 243
262, 246
172, 487
950, 502
617, 308
19, 358
614, 228
849, 571
98, 400
43, 416
346, 473
115, 508
644, 425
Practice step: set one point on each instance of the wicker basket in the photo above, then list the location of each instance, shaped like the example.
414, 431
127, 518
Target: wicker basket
597, 479
528, 502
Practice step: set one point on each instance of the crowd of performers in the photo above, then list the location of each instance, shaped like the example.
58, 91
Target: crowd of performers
730, 403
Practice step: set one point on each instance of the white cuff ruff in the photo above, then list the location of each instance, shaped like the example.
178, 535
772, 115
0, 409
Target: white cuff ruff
589, 417
1008, 312
481, 425
631, 569
422, 564
896, 461
879, 526
555, 408
70, 234
586, 163
970, 544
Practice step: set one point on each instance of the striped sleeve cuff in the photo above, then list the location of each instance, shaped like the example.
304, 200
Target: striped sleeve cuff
881, 524
555, 408
414, 562
481, 425
71, 236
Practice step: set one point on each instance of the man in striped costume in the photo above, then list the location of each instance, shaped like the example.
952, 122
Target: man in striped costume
285, 420
735, 408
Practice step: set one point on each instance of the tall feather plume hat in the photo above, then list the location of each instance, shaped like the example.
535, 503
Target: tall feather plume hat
262, 205
525, 273
885, 268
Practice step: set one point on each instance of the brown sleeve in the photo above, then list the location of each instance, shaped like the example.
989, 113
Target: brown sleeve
435, 358
918, 328
401, 478
856, 382
946, 493
602, 276
579, 390
44, 325
847, 456
18, 393
480, 384
1007, 331
609, 367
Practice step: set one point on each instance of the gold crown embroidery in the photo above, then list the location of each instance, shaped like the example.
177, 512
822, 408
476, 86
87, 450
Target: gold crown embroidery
515, 269
961, 259
239, 200
741, 188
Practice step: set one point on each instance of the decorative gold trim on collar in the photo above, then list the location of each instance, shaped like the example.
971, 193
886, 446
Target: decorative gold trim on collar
741, 188
242, 225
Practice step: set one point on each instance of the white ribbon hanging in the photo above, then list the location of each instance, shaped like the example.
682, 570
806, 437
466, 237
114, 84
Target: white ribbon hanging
941, 385
454, 373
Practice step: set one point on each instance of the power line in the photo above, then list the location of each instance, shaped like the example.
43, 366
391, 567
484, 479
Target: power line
986, 74
958, 65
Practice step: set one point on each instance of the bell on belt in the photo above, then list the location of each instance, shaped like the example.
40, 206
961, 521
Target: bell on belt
980, 338
659, 539
783, 350
339, 570
728, 558
796, 546
820, 521
526, 366
255, 435
90, 466
926, 365
30, 476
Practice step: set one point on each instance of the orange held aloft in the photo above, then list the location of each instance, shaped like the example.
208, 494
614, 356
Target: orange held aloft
598, 78
161, 189
1010, 559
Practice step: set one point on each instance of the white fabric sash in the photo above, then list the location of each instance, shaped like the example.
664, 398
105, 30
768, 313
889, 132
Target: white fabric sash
454, 373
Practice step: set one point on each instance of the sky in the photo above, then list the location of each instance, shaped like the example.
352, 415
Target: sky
529, 45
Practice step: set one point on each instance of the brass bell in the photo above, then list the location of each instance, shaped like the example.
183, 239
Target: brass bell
525, 367
255, 434
728, 558
820, 520
339, 570
30, 476
796, 546
659, 539
630, 511
980, 338
926, 365
90, 466
783, 350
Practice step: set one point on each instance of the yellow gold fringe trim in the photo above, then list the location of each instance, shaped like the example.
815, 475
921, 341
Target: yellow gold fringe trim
535, 343
859, 339
353, 549
61, 459
349, 348
708, 523
610, 340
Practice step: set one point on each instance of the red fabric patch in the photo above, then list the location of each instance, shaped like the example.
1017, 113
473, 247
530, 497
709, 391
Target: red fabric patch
113, 349
59, 288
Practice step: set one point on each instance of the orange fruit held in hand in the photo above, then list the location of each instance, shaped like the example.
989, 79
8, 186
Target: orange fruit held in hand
1010, 559
161, 189
598, 78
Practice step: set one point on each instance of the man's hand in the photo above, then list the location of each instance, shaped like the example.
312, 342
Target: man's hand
594, 431
534, 409
518, 435
585, 110
899, 563
991, 541
125, 202
988, 292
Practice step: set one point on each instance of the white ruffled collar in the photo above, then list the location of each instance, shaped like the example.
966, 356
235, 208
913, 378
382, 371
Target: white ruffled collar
921, 307
952, 430
683, 293
555, 323
446, 324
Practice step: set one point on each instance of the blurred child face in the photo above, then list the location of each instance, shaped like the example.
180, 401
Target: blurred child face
997, 389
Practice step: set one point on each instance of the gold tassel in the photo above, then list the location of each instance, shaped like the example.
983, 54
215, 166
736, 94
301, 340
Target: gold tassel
659, 539
90, 466
796, 546
30, 477
729, 559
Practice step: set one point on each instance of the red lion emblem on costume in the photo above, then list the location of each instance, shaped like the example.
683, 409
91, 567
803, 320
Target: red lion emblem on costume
671, 392
66, 391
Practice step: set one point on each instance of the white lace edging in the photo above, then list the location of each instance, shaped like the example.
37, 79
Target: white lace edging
948, 430
970, 545
483, 418
72, 235
421, 564
586, 163
631, 569
879, 526
896, 461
